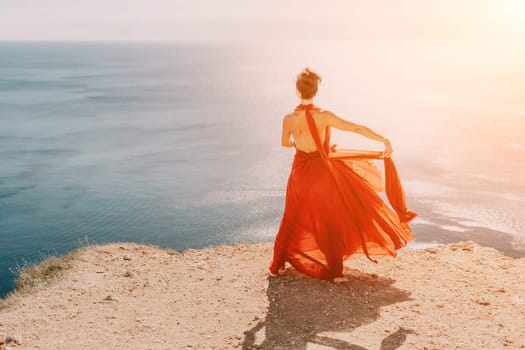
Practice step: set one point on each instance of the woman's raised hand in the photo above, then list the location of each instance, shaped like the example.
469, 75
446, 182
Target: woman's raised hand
388, 149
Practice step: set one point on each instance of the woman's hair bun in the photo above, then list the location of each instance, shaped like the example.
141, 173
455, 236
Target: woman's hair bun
307, 82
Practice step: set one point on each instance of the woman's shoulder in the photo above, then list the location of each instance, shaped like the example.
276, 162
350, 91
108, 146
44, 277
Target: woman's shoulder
293, 114
324, 114
323, 111
290, 115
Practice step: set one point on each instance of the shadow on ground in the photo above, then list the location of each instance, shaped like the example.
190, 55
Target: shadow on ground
301, 308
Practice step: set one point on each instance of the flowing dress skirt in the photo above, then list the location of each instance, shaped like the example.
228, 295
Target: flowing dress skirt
330, 214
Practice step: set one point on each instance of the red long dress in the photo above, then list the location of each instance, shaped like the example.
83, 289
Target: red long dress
331, 212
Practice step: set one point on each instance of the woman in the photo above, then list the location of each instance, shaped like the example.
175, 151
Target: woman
332, 210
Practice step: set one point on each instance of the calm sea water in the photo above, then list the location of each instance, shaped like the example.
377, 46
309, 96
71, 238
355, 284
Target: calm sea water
177, 144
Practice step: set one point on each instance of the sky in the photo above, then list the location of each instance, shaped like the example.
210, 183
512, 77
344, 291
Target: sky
260, 20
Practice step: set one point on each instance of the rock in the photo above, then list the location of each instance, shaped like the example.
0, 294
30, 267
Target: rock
128, 274
16, 339
126, 257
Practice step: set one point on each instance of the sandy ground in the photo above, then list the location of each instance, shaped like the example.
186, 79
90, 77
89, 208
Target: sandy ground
129, 296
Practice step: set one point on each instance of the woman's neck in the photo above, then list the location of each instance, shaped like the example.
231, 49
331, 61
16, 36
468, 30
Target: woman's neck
307, 102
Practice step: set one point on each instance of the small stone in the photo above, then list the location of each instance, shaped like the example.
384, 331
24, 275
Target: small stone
110, 298
483, 302
16, 339
128, 274
467, 248
126, 257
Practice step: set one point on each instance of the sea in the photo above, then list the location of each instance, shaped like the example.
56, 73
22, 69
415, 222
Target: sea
177, 144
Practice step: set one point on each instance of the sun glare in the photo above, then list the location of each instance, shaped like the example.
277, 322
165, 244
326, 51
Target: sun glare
511, 14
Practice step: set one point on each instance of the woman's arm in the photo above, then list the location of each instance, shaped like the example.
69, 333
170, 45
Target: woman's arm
341, 124
285, 138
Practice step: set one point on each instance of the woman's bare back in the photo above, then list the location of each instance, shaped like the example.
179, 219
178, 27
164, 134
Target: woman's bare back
295, 124
298, 127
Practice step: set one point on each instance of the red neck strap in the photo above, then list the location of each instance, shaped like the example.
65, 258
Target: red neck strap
308, 107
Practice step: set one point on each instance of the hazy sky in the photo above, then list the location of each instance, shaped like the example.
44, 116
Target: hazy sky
256, 19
